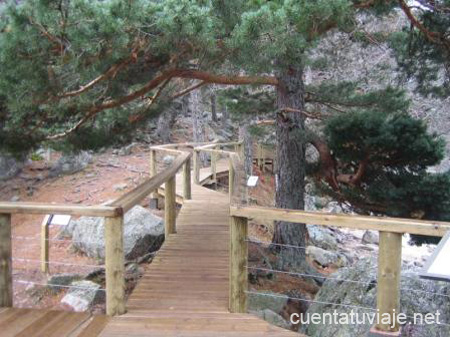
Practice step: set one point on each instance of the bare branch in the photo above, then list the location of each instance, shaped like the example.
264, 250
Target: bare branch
188, 90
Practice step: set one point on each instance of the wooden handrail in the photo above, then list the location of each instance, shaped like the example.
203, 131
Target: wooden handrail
132, 198
114, 221
383, 224
43, 208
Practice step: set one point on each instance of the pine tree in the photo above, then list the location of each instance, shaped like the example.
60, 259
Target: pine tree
78, 69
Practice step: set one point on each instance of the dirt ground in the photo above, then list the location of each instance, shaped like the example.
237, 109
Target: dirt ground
94, 185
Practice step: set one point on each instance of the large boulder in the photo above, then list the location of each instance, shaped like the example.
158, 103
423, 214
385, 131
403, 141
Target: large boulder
417, 296
70, 164
267, 300
59, 282
326, 258
272, 317
9, 167
143, 233
83, 295
371, 237
323, 237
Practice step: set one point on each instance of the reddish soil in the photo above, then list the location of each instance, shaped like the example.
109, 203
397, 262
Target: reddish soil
94, 185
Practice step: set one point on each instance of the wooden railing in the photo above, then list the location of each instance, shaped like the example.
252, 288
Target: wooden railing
390, 244
391, 229
114, 217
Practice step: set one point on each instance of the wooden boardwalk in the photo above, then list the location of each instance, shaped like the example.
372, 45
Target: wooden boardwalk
183, 293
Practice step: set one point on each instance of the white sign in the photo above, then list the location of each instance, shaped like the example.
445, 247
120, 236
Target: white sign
252, 181
57, 219
438, 267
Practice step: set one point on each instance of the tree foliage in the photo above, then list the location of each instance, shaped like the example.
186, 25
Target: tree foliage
423, 48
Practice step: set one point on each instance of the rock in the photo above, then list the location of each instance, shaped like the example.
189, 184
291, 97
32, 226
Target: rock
120, 187
272, 301
83, 296
15, 198
326, 258
143, 233
272, 317
322, 237
126, 150
70, 164
371, 237
333, 207
310, 203
9, 167
65, 279
364, 295
322, 202
168, 160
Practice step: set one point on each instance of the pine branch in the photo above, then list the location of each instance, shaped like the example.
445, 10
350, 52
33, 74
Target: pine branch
188, 90
155, 82
431, 36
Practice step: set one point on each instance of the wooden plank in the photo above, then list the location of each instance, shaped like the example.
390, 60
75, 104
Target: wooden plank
6, 291
115, 266
132, 198
42, 208
389, 274
95, 327
238, 264
394, 225
41, 326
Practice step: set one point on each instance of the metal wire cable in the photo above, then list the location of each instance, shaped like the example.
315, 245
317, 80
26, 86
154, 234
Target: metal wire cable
335, 279
309, 275
273, 244
329, 303
344, 280
56, 285
59, 263
311, 301
24, 238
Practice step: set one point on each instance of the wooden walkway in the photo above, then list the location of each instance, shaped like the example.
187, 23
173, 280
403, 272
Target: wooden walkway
183, 293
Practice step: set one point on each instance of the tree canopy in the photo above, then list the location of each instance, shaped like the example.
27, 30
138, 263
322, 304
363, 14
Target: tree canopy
80, 71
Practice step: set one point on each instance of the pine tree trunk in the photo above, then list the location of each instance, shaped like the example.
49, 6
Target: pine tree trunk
165, 123
213, 107
198, 126
290, 175
245, 137
225, 115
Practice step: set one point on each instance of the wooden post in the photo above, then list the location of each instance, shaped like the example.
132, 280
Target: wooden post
389, 272
115, 266
187, 194
153, 172
238, 264
213, 165
231, 177
196, 167
170, 207
6, 292
45, 249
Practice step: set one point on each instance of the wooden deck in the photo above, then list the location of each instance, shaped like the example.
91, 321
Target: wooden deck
183, 293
